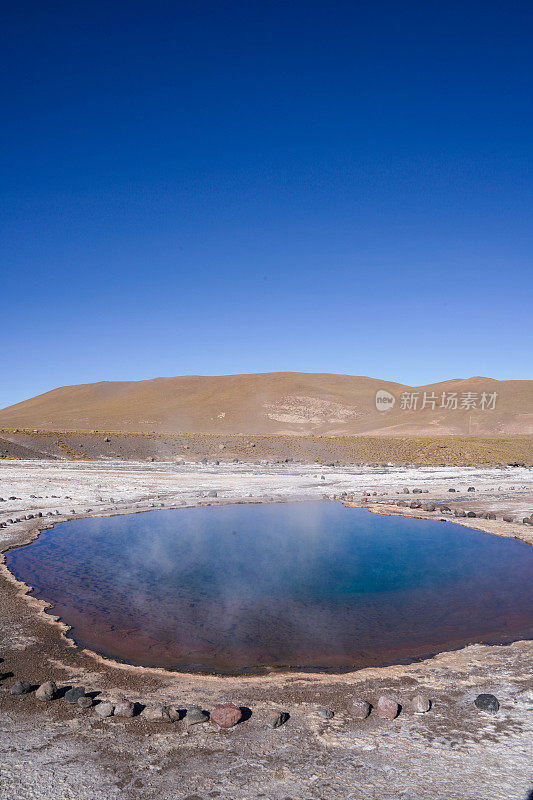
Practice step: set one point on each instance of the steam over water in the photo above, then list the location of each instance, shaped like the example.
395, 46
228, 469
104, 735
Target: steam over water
245, 588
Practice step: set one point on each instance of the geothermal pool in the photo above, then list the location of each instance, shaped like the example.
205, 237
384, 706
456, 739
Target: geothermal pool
250, 588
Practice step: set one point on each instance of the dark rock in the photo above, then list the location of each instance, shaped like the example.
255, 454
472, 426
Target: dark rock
85, 701
417, 491
73, 695
279, 718
451, 490
487, 702
20, 687
508, 518
195, 716
527, 521
359, 708
471, 514
47, 691
225, 715
471, 489
387, 707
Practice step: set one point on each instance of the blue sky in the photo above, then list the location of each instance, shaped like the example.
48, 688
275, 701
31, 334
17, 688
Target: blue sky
207, 188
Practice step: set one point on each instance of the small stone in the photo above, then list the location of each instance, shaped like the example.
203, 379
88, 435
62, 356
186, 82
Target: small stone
73, 695
471, 489
387, 707
105, 709
415, 504
279, 718
451, 490
417, 491
508, 518
359, 708
406, 490
487, 702
124, 708
20, 687
401, 503
225, 715
46, 691
428, 507
460, 512
420, 703
174, 713
195, 716
471, 514
85, 701
212, 493
157, 713
325, 713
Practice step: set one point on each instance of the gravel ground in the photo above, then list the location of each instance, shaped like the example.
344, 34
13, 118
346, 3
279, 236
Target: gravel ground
53, 750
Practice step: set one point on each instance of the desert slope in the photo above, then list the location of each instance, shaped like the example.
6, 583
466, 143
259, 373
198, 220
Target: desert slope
279, 403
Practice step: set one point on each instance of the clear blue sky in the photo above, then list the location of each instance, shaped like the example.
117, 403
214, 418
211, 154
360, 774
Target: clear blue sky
219, 187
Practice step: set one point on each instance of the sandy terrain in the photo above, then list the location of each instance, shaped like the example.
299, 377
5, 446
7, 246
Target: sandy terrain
275, 403
454, 752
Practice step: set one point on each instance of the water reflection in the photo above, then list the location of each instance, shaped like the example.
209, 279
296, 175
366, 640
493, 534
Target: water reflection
315, 585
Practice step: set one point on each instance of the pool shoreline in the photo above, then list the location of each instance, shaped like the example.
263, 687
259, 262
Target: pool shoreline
41, 607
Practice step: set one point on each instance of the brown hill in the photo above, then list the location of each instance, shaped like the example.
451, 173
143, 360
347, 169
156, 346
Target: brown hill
280, 403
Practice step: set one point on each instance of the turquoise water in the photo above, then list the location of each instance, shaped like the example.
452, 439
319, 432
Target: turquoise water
244, 588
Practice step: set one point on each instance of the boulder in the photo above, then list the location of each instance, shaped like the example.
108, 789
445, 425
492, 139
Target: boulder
387, 707
225, 715
420, 703
279, 718
124, 708
47, 691
157, 713
195, 716
359, 708
73, 695
487, 702
105, 709
20, 687
471, 514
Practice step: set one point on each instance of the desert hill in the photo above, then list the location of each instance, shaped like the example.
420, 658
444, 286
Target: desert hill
281, 403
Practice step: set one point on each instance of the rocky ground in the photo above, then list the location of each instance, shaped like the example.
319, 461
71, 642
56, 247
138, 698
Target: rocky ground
344, 450
454, 751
